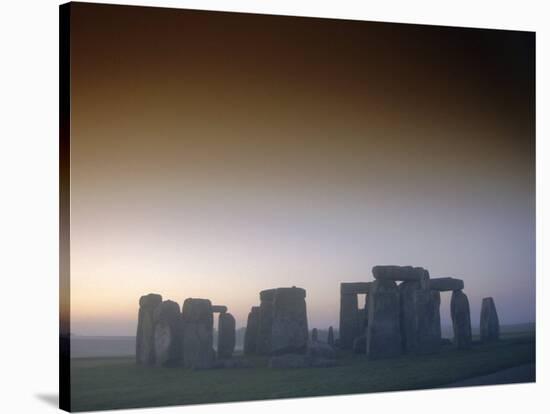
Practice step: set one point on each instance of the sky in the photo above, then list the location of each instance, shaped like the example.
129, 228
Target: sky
215, 155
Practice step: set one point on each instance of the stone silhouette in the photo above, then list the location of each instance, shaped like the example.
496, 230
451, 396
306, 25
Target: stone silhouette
352, 319
289, 333
460, 315
394, 319
408, 314
428, 323
219, 308
446, 284
401, 273
145, 349
330, 337
489, 325
251, 333
226, 336
384, 331
314, 335
198, 327
360, 344
263, 345
167, 333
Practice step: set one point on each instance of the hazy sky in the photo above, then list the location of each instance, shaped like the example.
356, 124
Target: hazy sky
218, 154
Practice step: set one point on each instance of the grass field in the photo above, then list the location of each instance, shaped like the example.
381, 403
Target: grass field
110, 383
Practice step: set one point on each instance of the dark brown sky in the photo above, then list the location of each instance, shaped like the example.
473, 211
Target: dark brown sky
213, 147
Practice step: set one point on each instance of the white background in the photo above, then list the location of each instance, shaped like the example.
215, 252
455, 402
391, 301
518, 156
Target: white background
29, 203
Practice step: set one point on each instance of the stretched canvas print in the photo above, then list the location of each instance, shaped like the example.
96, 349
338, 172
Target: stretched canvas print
258, 207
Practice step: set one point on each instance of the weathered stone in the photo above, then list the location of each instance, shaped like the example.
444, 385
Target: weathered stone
349, 320
265, 325
446, 284
314, 335
428, 322
168, 333
226, 336
219, 309
145, 348
320, 349
251, 333
360, 344
384, 333
198, 326
355, 288
420, 318
289, 332
489, 325
400, 273
460, 315
330, 337
408, 314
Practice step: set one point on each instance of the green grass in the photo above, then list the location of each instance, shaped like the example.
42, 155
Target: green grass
110, 383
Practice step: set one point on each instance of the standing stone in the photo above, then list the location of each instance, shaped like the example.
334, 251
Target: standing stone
349, 320
428, 322
489, 325
251, 333
226, 336
198, 327
145, 350
360, 344
265, 321
408, 314
330, 337
314, 335
168, 333
289, 332
384, 333
460, 315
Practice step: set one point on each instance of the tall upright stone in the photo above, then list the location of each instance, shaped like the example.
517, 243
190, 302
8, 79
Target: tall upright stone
350, 316
198, 327
349, 320
460, 316
263, 345
251, 332
314, 335
408, 314
330, 337
145, 348
168, 334
428, 323
383, 332
289, 332
226, 336
489, 325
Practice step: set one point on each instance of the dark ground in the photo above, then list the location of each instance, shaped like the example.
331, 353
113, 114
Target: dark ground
110, 383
